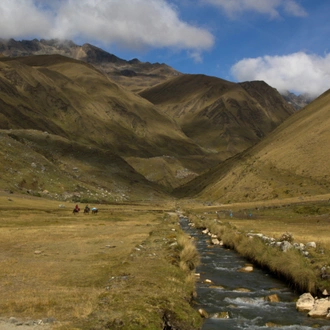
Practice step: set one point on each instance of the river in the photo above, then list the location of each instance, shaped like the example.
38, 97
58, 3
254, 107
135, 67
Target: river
241, 295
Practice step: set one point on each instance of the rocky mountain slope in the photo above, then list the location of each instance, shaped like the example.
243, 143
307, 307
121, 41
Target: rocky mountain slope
292, 161
221, 116
132, 74
297, 101
72, 100
163, 137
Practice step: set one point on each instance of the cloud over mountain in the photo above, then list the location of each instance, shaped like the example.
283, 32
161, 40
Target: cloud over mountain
132, 24
298, 72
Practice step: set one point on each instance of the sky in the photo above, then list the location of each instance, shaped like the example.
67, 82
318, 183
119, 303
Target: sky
286, 43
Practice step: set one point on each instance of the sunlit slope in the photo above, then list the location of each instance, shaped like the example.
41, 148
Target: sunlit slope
293, 161
221, 116
74, 100
133, 74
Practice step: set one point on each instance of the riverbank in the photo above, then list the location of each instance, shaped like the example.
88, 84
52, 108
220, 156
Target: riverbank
233, 294
244, 229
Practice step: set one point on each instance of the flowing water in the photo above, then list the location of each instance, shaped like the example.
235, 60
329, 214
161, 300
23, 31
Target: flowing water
243, 296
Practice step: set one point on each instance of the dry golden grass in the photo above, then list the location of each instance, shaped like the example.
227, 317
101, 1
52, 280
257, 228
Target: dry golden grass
100, 120
51, 255
76, 268
286, 163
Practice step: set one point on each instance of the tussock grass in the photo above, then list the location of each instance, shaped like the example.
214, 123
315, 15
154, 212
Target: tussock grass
290, 266
308, 224
189, 257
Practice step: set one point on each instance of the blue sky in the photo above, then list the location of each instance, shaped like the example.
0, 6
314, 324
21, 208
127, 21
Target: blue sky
284, 42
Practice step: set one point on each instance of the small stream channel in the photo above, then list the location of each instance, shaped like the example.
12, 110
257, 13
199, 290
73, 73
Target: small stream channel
242, 295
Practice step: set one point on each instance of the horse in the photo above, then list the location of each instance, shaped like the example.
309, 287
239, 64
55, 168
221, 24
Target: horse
94, 210
86, 210
75, 211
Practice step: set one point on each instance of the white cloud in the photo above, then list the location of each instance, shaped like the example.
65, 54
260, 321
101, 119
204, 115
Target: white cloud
133, 24
271, 8
22, 18
293, 8
297, 72
196, 56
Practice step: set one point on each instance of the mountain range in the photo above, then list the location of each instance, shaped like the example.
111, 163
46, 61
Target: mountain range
79, 123
132, 74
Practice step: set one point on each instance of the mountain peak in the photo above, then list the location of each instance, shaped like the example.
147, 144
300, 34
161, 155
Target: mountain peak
127, 73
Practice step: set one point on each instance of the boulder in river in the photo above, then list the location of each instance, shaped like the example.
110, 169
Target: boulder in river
320, 308
273, 298
247, 269
215, 241
305, 302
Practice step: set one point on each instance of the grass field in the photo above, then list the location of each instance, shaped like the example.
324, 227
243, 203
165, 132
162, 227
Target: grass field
119, 268
130, 266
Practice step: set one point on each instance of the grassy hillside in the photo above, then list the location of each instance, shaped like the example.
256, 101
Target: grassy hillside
220, 116
187, 126
191, 124
75, 101
292, 161
46, 165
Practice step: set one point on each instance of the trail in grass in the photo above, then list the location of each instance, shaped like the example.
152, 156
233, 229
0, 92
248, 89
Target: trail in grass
243, 296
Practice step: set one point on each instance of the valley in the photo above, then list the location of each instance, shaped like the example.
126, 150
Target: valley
144, 144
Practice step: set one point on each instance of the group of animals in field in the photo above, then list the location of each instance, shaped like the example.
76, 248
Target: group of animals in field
86, 210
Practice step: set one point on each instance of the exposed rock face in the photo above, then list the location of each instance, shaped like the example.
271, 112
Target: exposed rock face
297, 101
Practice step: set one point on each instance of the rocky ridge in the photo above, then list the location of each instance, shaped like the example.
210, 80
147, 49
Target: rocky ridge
133, 74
